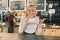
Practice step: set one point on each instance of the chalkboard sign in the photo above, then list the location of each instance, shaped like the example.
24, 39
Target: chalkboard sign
17, 4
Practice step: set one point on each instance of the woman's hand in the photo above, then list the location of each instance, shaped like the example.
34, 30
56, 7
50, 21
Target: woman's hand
27, 22
41, 21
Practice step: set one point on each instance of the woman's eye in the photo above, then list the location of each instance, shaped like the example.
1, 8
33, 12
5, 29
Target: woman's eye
33, 10
29, 10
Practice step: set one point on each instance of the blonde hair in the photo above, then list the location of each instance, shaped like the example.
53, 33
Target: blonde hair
31, 5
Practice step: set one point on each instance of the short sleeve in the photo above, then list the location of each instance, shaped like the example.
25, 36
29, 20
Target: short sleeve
21, 22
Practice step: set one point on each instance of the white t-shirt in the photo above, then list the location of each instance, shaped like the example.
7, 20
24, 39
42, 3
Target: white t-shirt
31, 28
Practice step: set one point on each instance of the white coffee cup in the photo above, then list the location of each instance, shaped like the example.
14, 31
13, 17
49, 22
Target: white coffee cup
44, 25
31, 20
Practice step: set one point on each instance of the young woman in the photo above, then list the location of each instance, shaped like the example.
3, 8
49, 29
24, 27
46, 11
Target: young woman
29, 22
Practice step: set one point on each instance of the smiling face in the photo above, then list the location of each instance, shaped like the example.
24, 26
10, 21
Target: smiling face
31, 10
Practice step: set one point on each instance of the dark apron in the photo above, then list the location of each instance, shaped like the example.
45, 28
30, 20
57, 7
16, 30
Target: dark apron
26, 36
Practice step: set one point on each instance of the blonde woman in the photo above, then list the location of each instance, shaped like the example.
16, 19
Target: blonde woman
28, 23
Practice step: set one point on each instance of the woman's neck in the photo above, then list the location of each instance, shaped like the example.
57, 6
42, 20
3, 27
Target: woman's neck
30, 17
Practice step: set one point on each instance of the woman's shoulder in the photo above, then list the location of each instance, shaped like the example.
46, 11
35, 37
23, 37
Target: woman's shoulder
23, 17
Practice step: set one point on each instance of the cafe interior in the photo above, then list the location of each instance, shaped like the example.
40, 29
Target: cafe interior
47, 9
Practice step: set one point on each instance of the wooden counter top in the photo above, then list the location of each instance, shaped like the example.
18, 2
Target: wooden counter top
51, 27
13, 36
9, 36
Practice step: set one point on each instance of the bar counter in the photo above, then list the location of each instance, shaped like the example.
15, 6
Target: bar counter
13, 36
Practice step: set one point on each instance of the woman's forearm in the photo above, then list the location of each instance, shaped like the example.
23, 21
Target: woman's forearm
24, 26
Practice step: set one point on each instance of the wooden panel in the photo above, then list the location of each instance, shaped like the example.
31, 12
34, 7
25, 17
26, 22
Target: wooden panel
16, 30
5, 29
47, 32
53, 32
57, 32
